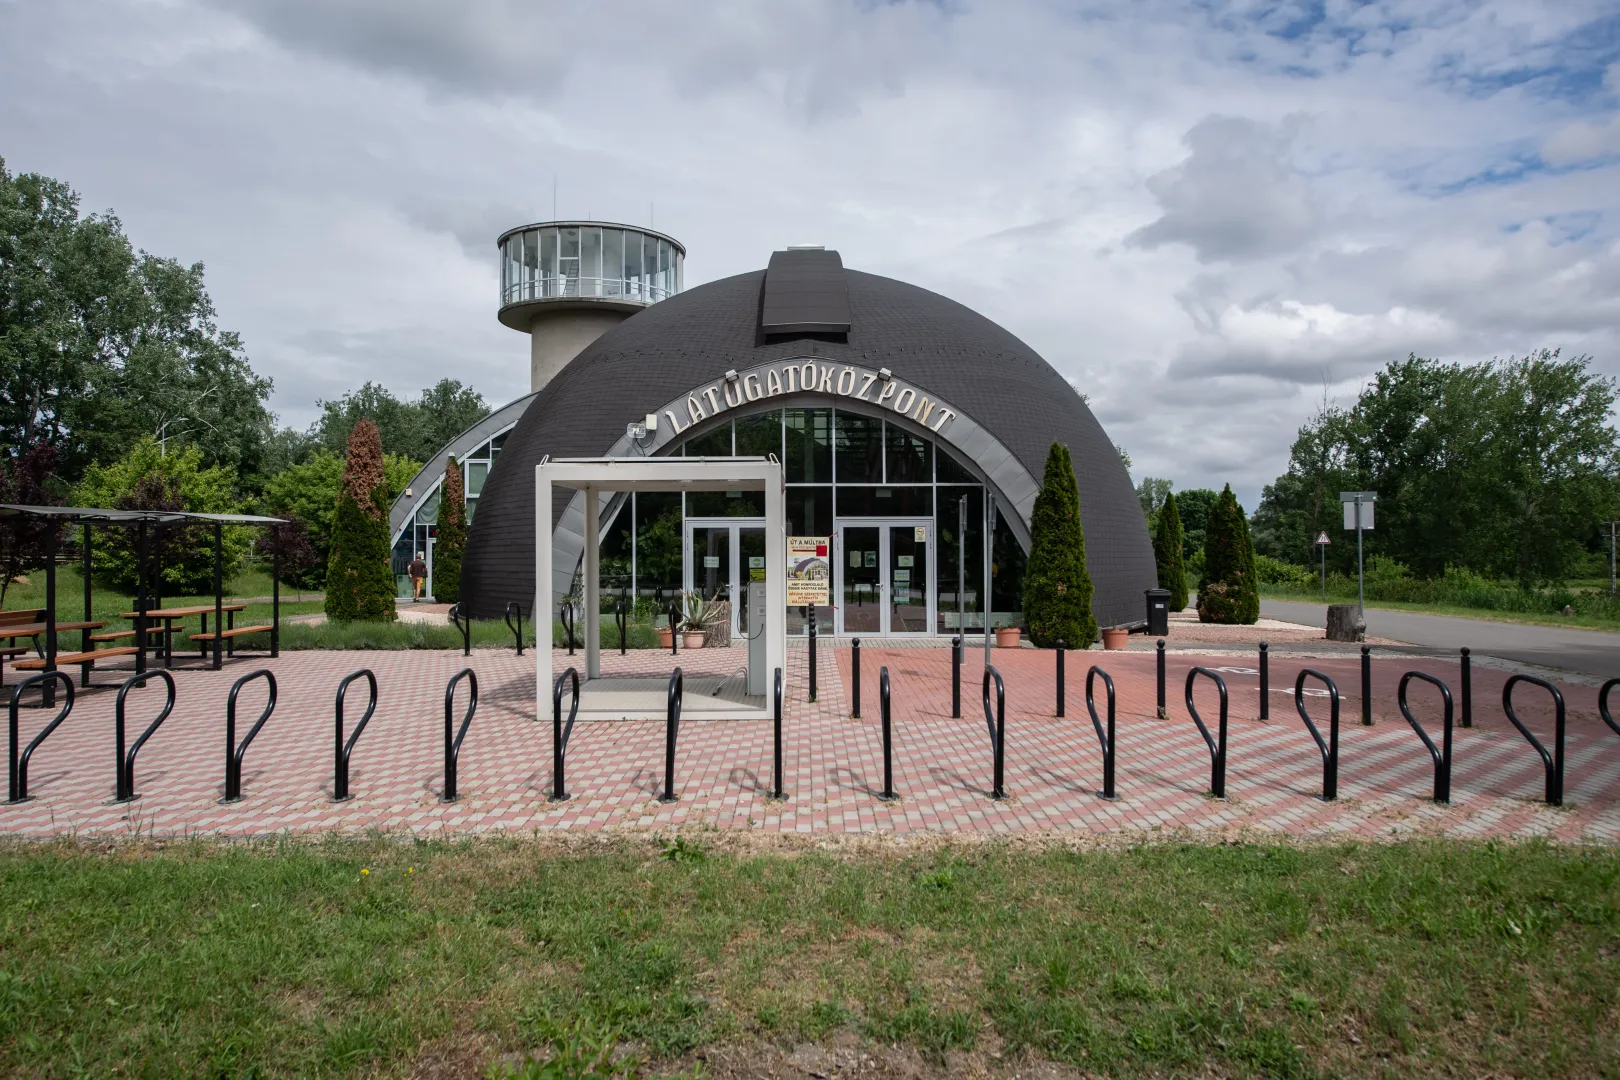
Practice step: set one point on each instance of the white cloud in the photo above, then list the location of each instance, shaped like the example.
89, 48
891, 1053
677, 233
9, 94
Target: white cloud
1198, 212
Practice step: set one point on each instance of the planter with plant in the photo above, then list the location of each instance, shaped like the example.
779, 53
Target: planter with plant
697, 615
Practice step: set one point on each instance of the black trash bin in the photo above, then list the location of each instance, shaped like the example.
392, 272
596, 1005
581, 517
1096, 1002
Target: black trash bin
1158, 612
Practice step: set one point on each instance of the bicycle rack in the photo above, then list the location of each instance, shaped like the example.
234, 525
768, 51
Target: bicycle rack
465, 626
515, 608
855, 677
997, 726
1061, 695
341, 752
621, 616
1164, 711
672, 727
1366, 686
1330, 748
565, 615
124, 764
234, 753
956, 677
452, 747
1553, 762
561, 733
1603, 705
19, 765
777, 792
1106, 738
888, 735
1217, 751
1265, 681
1442, 758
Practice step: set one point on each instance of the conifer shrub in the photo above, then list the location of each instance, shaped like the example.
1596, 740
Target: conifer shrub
1167, 541
1057, 588
1228, 590
451, 542
359, 578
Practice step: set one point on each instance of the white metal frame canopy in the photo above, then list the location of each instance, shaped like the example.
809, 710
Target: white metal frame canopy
594, 476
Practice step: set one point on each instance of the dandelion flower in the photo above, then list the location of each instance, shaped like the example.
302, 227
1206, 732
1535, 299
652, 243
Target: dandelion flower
364, 871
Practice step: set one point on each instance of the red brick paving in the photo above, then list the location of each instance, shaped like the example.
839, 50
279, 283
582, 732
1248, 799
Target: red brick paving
833, 764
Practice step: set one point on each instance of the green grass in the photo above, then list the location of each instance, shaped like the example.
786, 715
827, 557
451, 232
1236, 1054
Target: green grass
486, 634
108, 603
1591, 622
364, 957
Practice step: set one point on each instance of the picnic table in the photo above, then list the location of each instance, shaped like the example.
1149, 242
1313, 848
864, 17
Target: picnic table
13, 631
169, 615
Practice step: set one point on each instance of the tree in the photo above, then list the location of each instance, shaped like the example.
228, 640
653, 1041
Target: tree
309, 491
1194, 506
294, 553
1167, 541
180, 557
25, 481
1057, 588
359, 577
417, 429
100, 344
1150, 493
1228, 592
451, 540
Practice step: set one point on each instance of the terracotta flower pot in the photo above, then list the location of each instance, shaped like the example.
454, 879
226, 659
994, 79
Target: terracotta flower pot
1114, 639
692, 639
1007, 637
666, 637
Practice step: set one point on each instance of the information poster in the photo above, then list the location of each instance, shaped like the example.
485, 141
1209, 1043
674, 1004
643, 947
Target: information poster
809, 570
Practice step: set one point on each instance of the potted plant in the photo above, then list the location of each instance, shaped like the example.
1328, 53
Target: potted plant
1114, 637
696, 615
1008, 637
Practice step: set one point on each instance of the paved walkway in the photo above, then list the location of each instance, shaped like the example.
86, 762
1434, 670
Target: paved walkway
1593, 653
833, 764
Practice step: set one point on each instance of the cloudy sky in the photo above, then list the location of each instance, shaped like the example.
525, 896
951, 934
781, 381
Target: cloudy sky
1207, 214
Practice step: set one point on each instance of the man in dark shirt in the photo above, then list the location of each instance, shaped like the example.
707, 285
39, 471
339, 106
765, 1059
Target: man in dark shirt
418, 572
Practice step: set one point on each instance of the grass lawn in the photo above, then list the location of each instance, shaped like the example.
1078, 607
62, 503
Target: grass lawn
109, 603
1590, 622
381, 956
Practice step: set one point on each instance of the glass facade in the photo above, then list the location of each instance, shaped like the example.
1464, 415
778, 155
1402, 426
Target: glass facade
611, 262
843, 470
422, 529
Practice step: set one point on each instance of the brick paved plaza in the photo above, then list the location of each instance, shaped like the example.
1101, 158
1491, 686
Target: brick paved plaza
833, 763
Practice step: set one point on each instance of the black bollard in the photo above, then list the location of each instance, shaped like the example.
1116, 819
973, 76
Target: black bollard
778, 793
1366, 686
674, 632
566, 617
888, 739
855, 677
1163, 715
812, 652
1060, 694
956, 677
1467, 689
1265, 681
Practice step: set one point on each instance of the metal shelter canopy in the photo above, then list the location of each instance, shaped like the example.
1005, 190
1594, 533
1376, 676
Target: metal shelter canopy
592, 477
106, 516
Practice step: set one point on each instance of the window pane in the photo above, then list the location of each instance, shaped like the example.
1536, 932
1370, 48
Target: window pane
809, 511
885, 501
658, 544
680, 271
568, 262
477, 471
809, 445
632, 263
591, 259
612, 262
859, 442
906, 457
716, 443
952, 546
613, 571
760, 435
952, 471
497, 442
1007, 578
548, 262
725, 503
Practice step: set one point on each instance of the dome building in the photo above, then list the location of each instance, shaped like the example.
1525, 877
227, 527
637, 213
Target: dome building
897, 414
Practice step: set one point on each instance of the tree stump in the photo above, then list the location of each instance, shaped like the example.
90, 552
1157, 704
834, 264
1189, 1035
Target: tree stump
1344, 623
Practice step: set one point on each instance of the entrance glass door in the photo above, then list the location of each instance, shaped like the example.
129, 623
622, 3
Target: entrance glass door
722, 556
885, 577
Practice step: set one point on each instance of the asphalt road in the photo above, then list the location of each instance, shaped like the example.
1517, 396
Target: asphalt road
1590, 652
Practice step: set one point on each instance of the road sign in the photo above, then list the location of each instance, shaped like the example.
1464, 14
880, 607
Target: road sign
1322, 538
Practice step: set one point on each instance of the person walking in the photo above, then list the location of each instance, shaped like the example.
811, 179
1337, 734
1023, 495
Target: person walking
418, 572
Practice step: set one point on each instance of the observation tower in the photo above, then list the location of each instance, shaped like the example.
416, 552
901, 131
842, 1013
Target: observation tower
566, 283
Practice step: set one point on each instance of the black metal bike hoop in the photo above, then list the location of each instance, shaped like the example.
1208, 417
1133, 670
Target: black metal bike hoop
1442, 761
371, 707
567, 730
1329, 752
1603, 705
472, 705
19, 766
1215, 751
1091, 703
997, 726
465, 626
269, 707
513, 607
1553, 762
125, 781
621, 615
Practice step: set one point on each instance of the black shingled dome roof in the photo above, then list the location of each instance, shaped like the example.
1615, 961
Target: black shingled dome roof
693, 338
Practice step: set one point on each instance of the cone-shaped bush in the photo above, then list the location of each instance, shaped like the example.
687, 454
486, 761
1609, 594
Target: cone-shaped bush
1167, 541
1228, 592
1057, 589
451, 541
359, 579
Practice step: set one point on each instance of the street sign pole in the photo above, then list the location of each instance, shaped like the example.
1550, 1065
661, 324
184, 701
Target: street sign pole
1612, 524
1361, 574
1322, 543
1358, 515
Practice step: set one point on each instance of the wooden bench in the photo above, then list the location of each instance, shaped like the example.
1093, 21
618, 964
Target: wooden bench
85, 659
151, 632
234, 632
